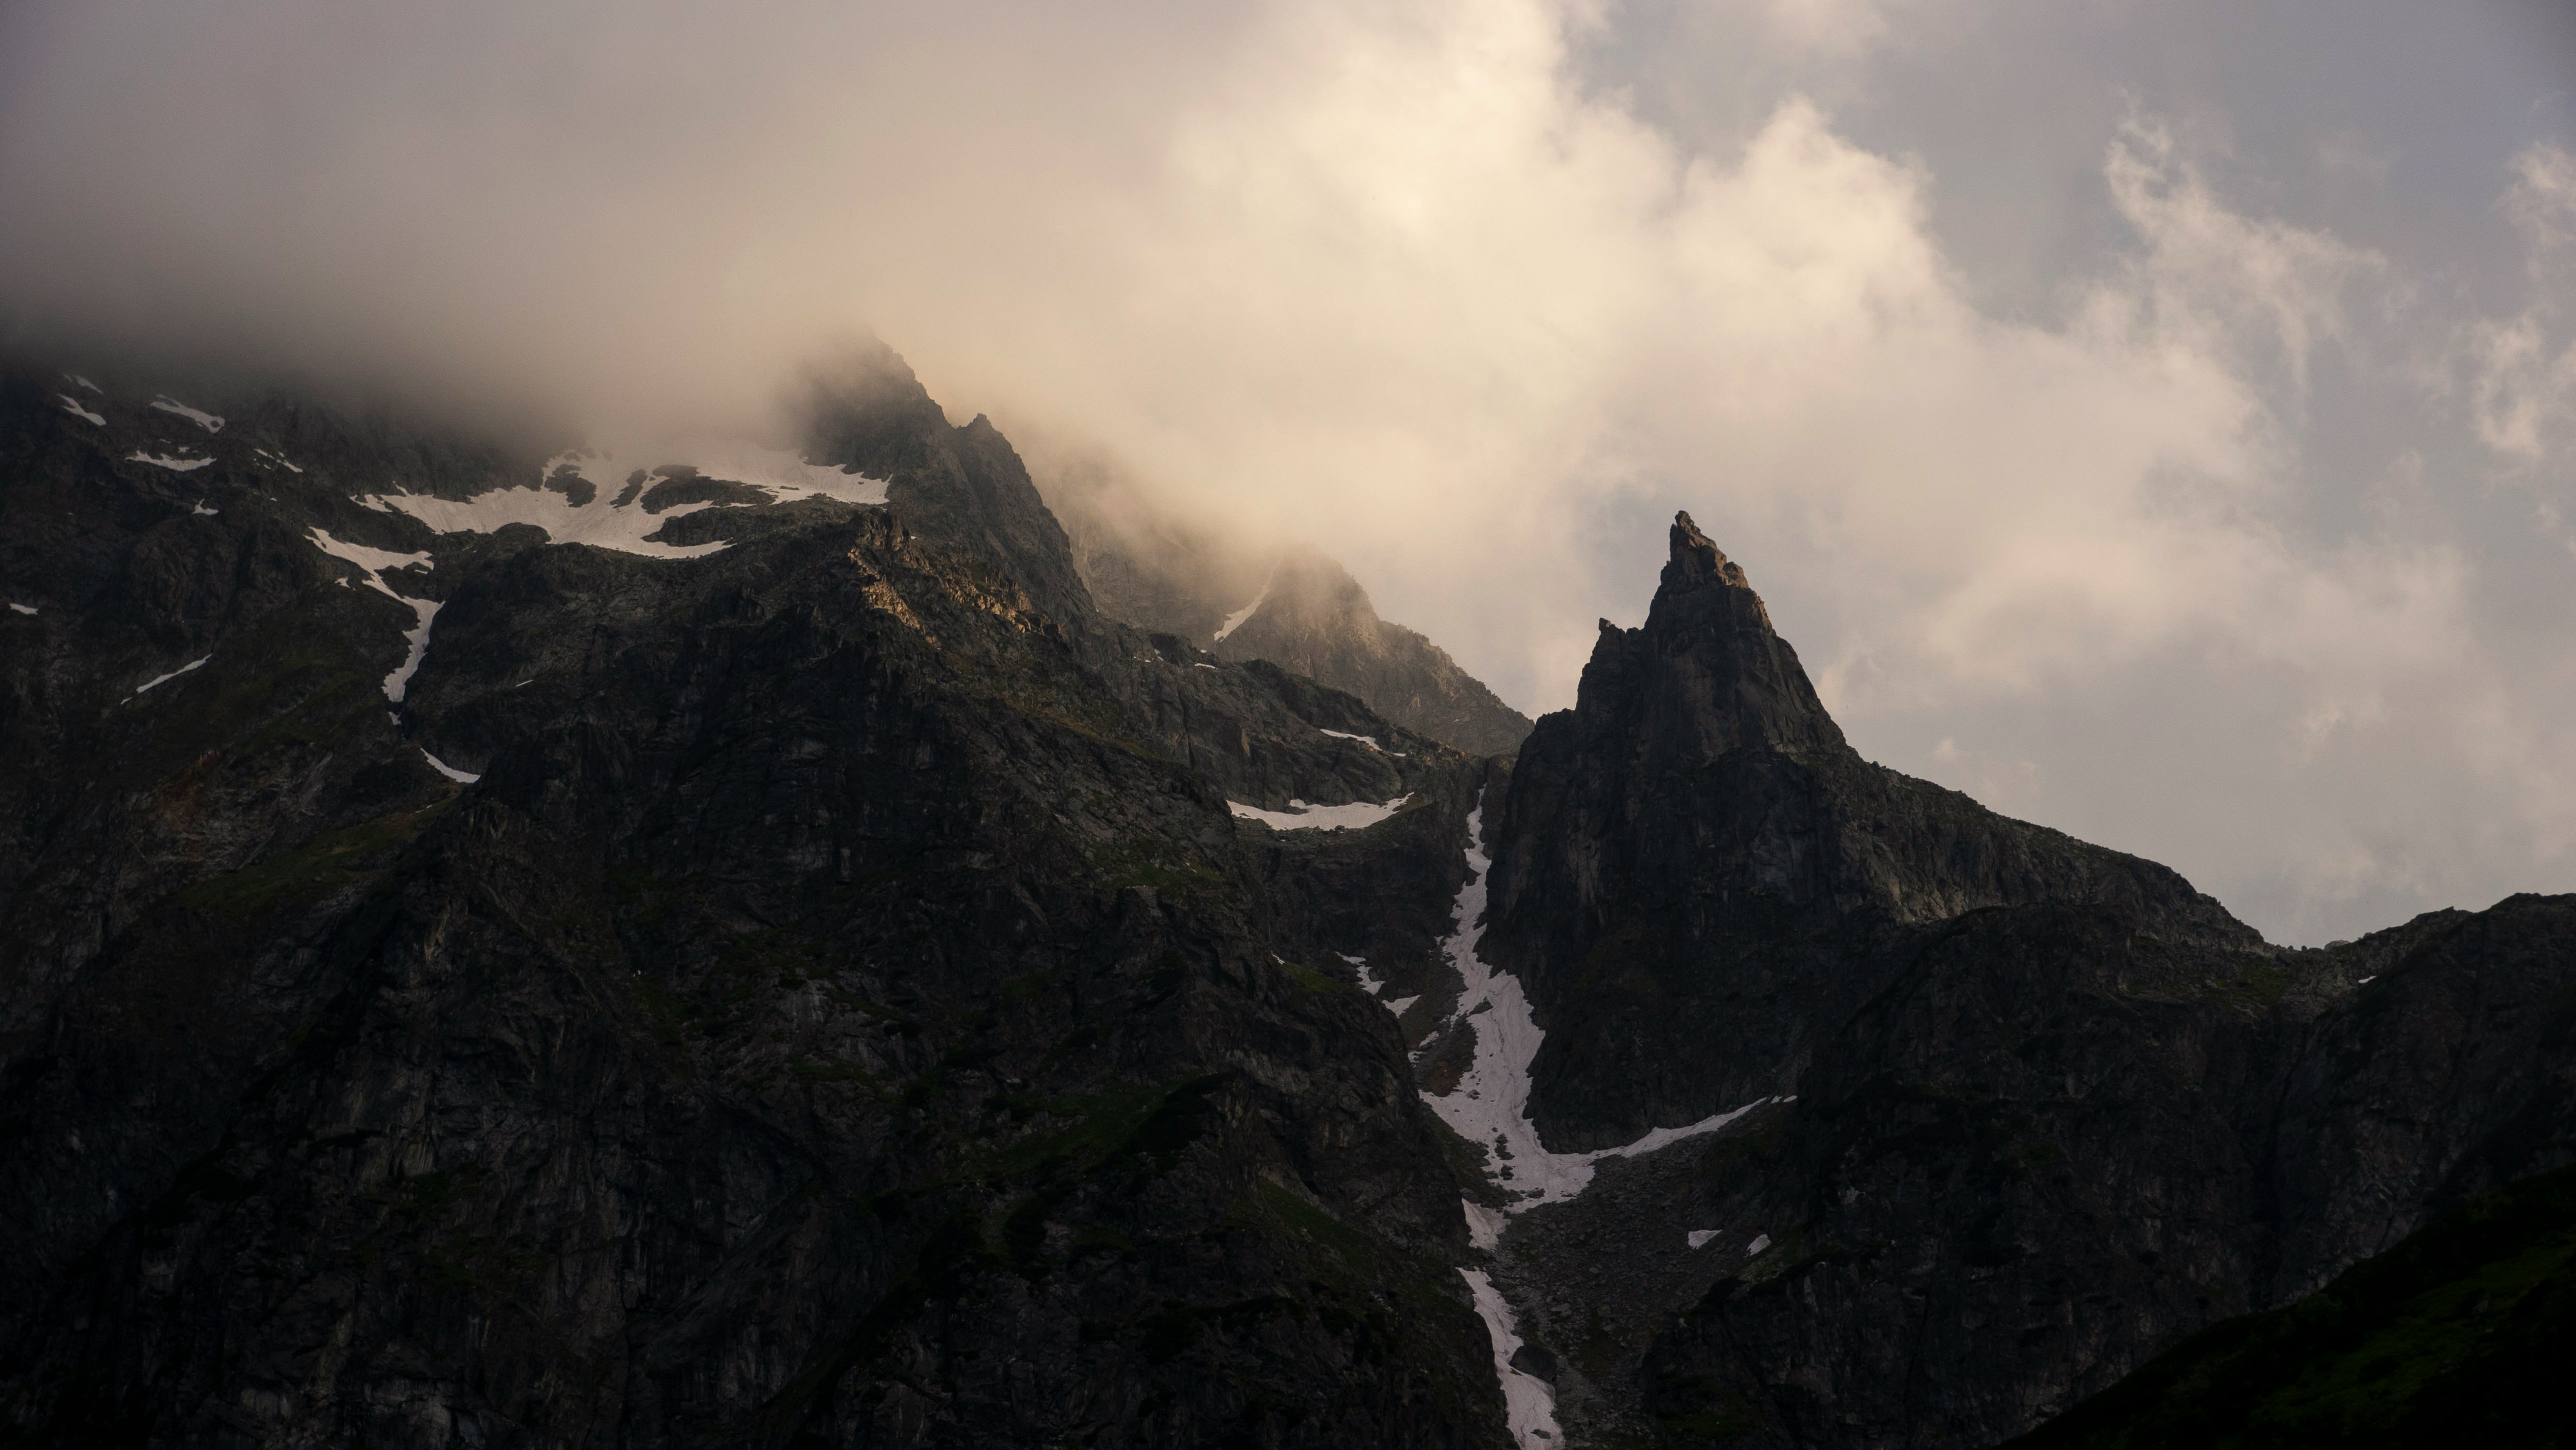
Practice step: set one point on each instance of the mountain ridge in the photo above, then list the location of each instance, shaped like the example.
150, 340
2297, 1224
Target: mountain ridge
805, 973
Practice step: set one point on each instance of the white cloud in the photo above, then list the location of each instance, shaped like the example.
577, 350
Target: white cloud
2523, 369
1389, 276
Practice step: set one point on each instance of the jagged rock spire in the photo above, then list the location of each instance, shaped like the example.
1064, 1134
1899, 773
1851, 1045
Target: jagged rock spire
1697, 560
1707, 670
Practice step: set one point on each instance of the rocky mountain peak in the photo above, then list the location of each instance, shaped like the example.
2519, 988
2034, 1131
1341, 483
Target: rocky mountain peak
1707, 669
1697, 560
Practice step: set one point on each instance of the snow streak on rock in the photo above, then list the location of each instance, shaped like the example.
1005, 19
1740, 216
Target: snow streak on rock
172, 463
205, 420
1358, 816
1235, 620
165, 679
399, 682
375, 562
1490, 1105
1368, 740
1371, 985
24, 608
80, 412
1527, 1401
445, 769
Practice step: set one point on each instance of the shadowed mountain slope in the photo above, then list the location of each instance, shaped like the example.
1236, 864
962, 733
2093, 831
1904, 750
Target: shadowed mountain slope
2053, 1110
813, 992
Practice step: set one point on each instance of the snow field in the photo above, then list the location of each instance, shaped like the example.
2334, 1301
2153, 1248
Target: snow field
1528, 1403
627, 528
1358, 816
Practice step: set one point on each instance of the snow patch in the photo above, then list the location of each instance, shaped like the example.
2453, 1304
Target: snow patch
1368, 740
201, 418
1528, 1403
2366, 981
165, 679
1484, 1225
1760, 1242
86, 383
1699, 1237
280, 460
417, 637
1357, 816
615, 517
174, 464
445, 769
203, 512
372, 560
1490, 1105
1371, 985
84, 414
1235, 620
1197, 666
24, 608
375, 562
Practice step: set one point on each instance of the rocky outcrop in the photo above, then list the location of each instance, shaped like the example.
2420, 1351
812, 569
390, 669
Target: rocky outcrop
1693, 871
2056, 1146
2052, 1112
1293, 607
834, 1007
2453, 1337
1312, 617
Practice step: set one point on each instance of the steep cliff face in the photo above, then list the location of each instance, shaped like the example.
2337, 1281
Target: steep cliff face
1693, 870
808, 991
2052, 1111
2056, 1145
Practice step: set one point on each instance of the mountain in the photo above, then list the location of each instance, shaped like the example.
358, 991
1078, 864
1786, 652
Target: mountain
1291, 606
767, 977
2027, 1111
511, 943
2445, 1339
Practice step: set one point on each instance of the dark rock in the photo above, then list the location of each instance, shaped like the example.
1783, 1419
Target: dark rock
842, 1012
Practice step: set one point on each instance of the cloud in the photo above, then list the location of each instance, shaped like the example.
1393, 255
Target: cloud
1395, 277
2523, 387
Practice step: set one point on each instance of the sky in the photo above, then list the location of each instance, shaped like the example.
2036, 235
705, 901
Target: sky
2158, 420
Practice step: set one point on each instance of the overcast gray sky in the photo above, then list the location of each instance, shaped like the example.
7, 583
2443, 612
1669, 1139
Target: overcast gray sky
2155, 419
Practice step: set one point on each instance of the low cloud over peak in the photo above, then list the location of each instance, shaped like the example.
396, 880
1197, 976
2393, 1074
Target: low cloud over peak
2176, 556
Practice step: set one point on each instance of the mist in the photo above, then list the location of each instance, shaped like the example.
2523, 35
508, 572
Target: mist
2140, 461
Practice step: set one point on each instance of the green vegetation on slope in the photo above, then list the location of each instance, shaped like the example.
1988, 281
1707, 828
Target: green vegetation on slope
2457, 1336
